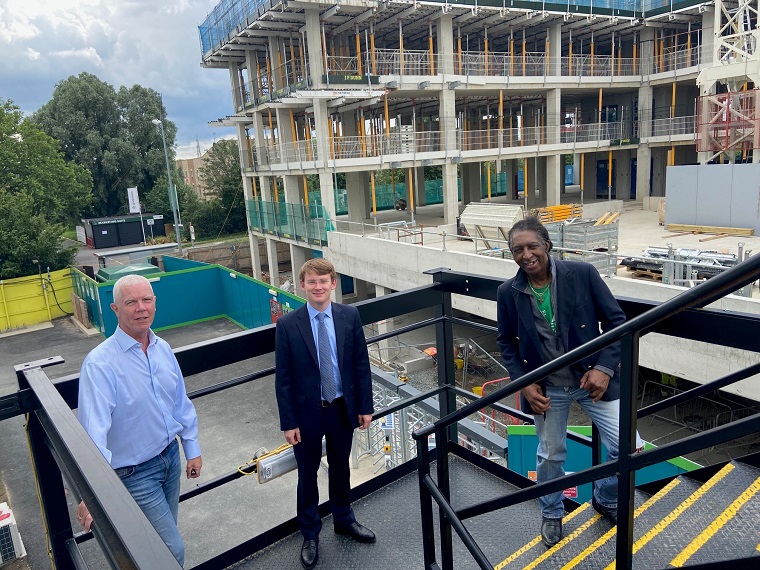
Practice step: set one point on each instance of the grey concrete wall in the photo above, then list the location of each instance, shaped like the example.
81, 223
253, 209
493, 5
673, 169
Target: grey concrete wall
400, 266
714, 195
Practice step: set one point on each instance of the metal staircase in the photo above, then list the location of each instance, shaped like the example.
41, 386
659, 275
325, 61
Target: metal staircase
685, 522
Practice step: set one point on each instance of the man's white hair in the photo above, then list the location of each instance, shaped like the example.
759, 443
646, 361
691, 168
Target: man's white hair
126, 281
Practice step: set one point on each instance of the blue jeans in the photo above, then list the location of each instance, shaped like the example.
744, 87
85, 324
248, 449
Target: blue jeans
154, 485
552, 447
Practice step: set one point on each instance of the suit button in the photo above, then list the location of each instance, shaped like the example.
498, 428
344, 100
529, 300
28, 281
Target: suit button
589, 367
517, 338
525, 362
583, 326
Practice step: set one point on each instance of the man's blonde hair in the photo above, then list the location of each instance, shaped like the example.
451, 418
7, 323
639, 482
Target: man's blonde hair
317, 266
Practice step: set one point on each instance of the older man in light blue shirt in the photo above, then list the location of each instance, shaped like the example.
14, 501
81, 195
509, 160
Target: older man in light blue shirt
133, 404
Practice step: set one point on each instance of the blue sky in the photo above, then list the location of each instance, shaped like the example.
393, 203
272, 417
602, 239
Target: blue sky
153, 43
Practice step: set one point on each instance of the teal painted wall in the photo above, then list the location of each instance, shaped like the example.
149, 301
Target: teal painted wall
192, 291
521, 457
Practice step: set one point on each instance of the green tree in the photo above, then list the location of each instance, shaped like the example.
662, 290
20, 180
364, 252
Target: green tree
111, 134
39, 191
221, 175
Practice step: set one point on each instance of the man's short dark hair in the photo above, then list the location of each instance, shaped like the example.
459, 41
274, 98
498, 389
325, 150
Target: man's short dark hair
317, 266
530, 224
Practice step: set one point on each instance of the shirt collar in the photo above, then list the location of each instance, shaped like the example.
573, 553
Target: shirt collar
126, 342
313, 312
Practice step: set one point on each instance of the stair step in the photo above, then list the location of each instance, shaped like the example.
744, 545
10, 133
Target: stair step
647, 514
733, 532
677, 529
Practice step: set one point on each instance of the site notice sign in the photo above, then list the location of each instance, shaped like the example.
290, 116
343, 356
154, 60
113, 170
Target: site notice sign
134, 201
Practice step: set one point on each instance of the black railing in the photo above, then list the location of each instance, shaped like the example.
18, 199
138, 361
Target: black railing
628, 462
57, 439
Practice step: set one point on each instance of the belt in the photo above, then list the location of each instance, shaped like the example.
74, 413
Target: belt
326, 404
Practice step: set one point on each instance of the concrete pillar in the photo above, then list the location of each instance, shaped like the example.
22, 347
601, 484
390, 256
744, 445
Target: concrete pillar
361, 289
445, 37
272, 262
470, 182
450, 193
539, 177
659, 166
448, 127
337, 295
555, 49
235, 83
553, 173
298, 256
292, 186
254, 242
419, 187
313, 46
357, 189
553, 115
646, 51
273, 49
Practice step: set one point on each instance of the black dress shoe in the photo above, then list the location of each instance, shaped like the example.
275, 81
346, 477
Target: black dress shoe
551, 531
309, 554
356, 531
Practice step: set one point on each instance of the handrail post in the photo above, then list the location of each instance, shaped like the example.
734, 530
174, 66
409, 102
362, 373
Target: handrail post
444, 334
426, 503
629, 373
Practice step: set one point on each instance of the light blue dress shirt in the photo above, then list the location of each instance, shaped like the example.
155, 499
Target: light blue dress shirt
330, 325
133, 405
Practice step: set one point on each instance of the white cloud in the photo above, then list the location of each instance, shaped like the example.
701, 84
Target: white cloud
153, 44
89, 53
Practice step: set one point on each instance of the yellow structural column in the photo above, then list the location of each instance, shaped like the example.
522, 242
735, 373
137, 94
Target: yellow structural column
410, 186
430, 47
358, 52
609, 174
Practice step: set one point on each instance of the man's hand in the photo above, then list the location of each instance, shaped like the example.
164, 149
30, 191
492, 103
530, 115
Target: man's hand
193, 469
293, 436
84, 517
364, 421
536, 398
595, 382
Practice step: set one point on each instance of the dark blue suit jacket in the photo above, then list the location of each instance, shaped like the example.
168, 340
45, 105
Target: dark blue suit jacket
297, 380
583, 302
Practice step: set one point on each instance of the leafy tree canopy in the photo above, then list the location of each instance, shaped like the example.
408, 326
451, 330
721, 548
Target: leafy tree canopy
39, 192
110, 133
225, 212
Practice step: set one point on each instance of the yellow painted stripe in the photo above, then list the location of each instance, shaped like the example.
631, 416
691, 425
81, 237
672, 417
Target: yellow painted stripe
537, 540
564, 542
610, 533
716, 525
663, 524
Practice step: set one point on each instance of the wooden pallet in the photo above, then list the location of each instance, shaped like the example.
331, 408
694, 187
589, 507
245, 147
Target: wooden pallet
646, 274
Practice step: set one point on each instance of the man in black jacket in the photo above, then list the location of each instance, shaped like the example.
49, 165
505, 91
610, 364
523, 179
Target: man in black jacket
548, 308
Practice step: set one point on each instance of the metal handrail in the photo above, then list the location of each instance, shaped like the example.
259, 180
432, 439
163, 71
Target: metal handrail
625, 466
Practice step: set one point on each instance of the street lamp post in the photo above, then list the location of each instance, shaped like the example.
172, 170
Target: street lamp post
172, 189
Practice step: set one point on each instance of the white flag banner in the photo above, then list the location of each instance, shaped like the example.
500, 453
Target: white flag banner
134, 201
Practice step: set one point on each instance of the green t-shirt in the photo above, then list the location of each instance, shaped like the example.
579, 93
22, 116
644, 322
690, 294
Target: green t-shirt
544, 301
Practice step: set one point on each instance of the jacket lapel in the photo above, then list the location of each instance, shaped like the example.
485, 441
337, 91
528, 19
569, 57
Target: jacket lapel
339, 319
304, 327
524, 308
565, 300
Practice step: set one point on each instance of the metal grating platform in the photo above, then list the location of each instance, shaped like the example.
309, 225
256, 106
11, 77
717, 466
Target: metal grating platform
393, 513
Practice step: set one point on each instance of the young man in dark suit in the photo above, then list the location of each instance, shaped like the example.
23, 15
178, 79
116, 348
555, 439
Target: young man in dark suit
324, 388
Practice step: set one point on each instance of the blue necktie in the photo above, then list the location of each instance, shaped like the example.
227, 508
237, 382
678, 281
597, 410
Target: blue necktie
325, 360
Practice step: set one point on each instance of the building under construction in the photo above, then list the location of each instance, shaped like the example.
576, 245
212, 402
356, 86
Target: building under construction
344, 109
